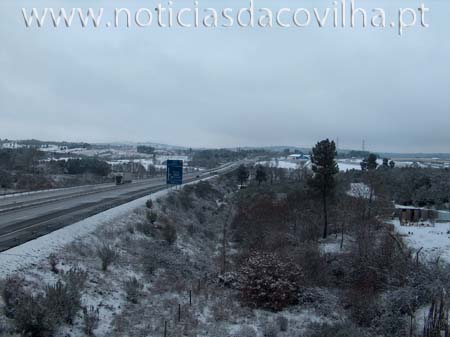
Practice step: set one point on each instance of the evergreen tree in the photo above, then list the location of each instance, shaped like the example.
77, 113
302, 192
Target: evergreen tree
325, 168
260, 174
372, 162
242, 174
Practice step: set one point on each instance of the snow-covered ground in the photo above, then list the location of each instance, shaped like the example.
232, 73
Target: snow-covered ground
285, 164
359, 190
434, 240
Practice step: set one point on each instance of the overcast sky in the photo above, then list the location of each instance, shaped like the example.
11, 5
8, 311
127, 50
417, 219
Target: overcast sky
228, 87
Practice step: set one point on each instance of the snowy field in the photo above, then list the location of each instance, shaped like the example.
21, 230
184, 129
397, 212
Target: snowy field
434, 241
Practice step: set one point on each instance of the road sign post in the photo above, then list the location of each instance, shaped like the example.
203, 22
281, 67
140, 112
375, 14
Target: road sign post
174, 172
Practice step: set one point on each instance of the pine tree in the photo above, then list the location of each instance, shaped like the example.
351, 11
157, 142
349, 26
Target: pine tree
372, 162
325, 168
242, 174
260, 175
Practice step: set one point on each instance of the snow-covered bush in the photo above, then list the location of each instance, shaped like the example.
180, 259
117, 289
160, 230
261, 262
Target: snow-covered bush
269, 282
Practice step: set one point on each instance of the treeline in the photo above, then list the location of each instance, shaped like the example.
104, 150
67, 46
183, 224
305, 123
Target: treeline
25, 169
24, 159
81, 166
216, 157
145, 149
39, 143
409, 185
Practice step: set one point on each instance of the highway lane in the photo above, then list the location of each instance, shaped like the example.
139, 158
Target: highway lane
40, 216
9, 202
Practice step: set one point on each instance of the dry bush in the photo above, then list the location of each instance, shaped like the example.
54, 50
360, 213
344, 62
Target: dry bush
169, 233
53, 261
133, 289
144, 227
312, 262
152, 217
75, 277
91, 318
107, 255
39, 315
63, 300
13, 288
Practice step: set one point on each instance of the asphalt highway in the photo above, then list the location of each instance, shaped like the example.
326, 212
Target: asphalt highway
25, 217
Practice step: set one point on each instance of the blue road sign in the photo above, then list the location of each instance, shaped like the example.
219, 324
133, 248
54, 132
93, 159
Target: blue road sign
174, 172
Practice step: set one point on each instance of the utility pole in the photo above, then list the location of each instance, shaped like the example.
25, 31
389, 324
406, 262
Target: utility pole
364, 145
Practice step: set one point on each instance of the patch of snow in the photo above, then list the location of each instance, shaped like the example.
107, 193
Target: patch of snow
359, 190
434, 241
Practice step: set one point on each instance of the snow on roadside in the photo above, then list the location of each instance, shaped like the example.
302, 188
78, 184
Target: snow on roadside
31, 252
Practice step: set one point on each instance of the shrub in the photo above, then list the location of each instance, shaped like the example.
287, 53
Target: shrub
53, 261
62, 301
107, 255
39, 315
76, 278
156, 255
149, 204
152, 217
144, 228
13, 290
133, 289
170, 233
90, 320
32, 318
266, 281
185, 198
203, 189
